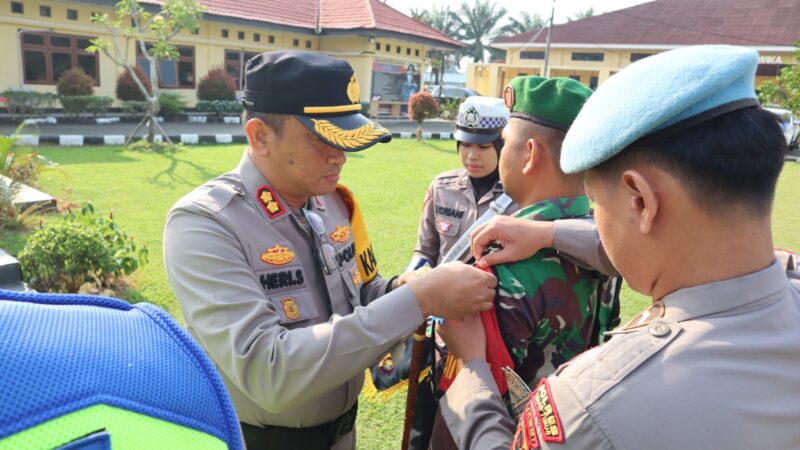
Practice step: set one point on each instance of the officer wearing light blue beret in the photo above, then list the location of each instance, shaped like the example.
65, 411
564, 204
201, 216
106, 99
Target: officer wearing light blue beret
682, 164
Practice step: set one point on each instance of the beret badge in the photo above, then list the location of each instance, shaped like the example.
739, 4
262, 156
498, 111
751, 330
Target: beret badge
508, 97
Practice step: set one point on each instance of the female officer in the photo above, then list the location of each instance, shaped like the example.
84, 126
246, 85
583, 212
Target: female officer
456, 198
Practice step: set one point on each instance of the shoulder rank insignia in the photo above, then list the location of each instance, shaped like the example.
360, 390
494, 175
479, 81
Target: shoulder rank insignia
269, 201
542, 402
277, 255
290, 308
340, 234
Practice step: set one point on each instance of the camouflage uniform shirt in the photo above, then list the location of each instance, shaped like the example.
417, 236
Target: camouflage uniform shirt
546, 305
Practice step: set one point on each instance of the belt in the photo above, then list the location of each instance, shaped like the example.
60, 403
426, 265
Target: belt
320, 437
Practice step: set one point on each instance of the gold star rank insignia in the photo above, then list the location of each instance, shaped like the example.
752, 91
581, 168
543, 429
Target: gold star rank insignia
269, 201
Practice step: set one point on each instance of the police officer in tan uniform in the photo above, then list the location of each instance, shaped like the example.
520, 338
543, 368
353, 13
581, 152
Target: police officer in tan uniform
274, 270
456, 198
682, 163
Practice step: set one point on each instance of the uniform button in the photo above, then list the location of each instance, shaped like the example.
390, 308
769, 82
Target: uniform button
660, 330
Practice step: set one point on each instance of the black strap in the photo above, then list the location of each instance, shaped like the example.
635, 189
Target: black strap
320, 437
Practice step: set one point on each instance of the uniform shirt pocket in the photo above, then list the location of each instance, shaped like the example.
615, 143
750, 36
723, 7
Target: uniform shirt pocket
447, 226
294, 307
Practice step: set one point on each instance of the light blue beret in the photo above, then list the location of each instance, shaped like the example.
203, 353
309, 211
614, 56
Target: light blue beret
668, 89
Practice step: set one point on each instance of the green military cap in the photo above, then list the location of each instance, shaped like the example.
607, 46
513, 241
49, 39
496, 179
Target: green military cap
551, 102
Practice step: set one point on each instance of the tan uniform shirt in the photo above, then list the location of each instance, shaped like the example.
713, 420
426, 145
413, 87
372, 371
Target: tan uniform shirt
290, 341
448, 210
718, 370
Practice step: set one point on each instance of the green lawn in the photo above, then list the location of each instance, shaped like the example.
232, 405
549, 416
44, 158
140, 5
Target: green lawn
389, 180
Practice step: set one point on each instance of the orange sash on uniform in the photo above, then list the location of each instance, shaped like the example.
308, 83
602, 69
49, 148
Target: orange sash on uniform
365, 257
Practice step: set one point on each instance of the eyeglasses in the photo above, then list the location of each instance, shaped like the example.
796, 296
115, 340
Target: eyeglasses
328, 254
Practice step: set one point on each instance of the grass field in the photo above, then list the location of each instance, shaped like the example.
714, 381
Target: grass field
389, 180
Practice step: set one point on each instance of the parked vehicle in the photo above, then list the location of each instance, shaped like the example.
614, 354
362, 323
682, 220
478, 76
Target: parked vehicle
451, 92
789, 124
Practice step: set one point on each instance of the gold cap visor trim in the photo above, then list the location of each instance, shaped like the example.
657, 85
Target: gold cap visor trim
331, 109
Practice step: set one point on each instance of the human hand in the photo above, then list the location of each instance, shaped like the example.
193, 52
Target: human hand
520, 239
404, 278
454, 290
465, 338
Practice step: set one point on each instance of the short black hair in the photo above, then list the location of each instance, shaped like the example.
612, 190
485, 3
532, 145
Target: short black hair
731, 160
274, 120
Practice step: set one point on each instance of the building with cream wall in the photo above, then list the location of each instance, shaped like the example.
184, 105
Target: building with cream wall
591, 50
41, 39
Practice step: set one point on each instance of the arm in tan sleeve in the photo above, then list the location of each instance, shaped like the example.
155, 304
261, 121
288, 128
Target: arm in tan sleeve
475, 412
227, 311
427, 236
578, 239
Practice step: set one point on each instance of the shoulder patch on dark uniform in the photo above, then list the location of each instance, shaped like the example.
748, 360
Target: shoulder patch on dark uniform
269, 201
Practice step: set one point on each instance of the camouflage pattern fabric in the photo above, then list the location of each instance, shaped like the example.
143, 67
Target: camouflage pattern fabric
546, 305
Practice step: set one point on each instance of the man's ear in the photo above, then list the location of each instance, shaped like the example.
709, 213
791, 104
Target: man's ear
642, 198
535, 151
258, 136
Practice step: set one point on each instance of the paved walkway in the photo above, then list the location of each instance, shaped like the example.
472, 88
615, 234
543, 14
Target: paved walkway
113, 133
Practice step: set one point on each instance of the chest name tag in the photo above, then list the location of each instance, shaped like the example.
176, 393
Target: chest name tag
282, 279
449, 212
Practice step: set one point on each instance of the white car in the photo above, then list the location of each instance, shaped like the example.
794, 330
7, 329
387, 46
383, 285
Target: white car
790, 125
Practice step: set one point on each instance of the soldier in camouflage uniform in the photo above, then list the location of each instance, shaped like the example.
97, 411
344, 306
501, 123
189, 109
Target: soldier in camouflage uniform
548, 309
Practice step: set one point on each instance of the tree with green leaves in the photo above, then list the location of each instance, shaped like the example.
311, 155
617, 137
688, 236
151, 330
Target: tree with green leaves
445, 21
589, 12
477, 25
525, 22
151, 33
784, 90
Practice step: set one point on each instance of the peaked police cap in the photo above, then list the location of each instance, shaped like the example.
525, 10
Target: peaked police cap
321, 91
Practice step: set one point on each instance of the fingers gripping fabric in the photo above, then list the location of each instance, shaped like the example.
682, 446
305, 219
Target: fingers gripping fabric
74, 359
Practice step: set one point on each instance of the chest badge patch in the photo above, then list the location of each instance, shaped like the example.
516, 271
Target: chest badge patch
444, 226
340, 234
290, 308
550, 423
356, 276
269, 201
277, 255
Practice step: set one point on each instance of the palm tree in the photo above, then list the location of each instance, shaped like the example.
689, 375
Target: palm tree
444, 20
526, 22
477, 26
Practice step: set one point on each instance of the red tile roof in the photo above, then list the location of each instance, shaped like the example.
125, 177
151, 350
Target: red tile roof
333, 15
683, 22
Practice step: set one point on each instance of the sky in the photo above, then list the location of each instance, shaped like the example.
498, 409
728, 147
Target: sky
563, 8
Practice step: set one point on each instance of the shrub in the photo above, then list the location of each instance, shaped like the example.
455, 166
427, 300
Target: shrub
135, 106
24, 102
448, 109
421, 106
171, 103
83, 248
76, 104
127, 89
13, 217
21, 164
220, 107
75, 82
99, 104
217, 85
155, 147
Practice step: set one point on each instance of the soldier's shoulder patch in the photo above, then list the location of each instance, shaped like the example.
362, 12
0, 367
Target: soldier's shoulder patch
269, 201
545, 407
